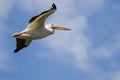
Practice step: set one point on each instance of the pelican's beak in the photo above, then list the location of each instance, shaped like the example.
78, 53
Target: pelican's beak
60, 28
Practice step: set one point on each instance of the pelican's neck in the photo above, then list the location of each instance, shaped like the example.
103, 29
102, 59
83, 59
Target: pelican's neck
48, 27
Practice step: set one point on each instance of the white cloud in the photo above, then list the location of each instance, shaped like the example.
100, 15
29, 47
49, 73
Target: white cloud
107, 51
73, 43
102, 52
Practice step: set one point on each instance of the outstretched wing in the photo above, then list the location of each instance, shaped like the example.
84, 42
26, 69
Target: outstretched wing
21, 43
40, 19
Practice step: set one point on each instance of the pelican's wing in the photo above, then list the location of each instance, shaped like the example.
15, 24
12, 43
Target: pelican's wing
21, 43
40, 19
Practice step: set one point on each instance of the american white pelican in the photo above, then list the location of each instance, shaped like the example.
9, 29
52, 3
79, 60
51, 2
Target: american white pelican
36, 29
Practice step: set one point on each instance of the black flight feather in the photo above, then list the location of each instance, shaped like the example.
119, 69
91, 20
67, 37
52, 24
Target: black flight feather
20, 44
52, 8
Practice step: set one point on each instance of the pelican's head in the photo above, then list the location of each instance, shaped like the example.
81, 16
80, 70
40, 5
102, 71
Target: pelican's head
53, 27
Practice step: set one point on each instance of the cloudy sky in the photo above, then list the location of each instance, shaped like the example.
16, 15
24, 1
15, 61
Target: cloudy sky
89, 52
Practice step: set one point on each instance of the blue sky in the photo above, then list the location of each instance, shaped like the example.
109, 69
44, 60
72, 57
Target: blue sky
89, 52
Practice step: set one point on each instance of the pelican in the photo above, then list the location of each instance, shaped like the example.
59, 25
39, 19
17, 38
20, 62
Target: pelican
36, 29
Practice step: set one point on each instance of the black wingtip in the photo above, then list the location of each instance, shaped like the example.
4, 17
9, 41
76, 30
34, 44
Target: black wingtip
54, 6
16, 50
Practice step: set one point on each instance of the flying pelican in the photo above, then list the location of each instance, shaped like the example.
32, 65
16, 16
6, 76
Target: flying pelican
36, 29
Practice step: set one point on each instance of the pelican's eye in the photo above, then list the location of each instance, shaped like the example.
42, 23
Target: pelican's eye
52, 25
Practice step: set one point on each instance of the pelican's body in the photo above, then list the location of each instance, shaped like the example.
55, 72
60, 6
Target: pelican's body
36, 29
37, 34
